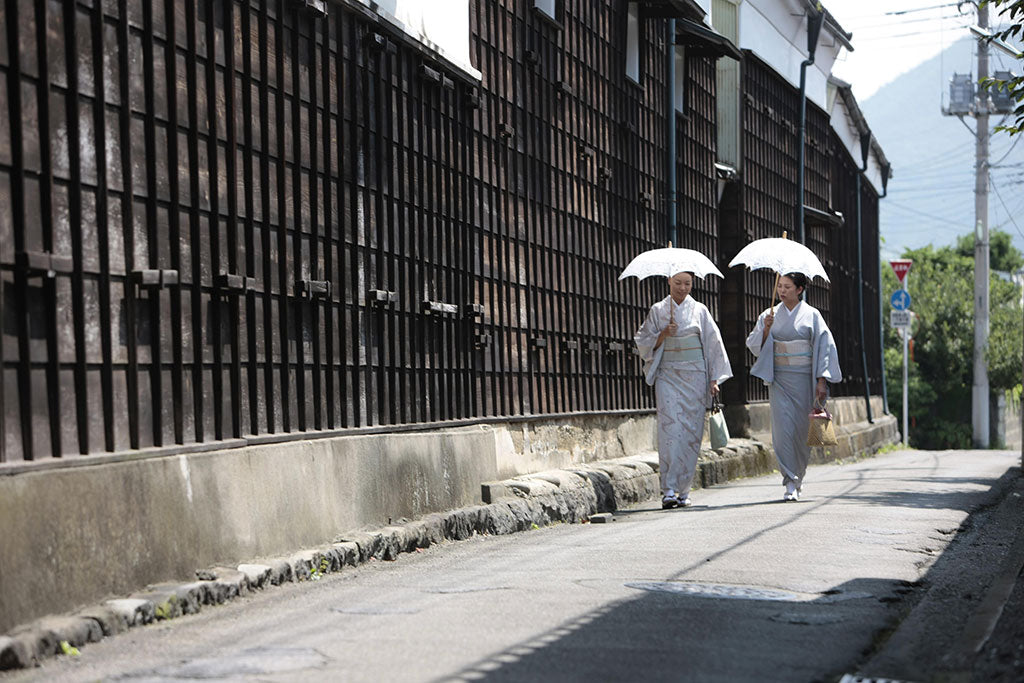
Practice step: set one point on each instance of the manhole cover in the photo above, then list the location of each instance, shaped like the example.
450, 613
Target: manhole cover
263, 660
713, 590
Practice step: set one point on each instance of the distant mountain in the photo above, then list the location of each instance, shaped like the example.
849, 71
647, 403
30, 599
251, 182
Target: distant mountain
931, 194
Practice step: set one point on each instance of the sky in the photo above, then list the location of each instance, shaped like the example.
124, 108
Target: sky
890, 38
931, 198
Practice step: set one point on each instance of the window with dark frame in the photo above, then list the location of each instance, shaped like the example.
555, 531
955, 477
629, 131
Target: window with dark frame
633, 42
680, 80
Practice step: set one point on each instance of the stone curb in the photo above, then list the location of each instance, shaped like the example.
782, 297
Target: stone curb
514, 505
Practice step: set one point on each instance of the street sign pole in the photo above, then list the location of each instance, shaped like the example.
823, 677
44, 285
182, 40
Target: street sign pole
906, 336
901, 302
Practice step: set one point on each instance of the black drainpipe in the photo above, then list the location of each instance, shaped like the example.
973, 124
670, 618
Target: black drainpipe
881, 296
671, 151
815, 18
865, 146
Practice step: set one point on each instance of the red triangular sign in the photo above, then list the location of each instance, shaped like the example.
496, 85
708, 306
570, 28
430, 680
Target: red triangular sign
901, 267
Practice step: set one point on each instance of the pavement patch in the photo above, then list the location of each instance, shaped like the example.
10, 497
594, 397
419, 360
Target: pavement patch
715, 590
253, 661
806, 619
468, 589
375, 610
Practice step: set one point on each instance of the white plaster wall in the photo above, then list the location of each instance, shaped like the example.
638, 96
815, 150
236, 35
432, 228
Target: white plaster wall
441, 25
777, 33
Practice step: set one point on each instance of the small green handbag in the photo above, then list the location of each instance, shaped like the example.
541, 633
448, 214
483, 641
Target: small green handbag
718, 429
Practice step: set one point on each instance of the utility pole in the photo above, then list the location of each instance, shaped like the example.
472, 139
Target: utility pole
979, 390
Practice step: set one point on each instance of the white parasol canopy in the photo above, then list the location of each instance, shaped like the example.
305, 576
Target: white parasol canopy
669, 261
781, 255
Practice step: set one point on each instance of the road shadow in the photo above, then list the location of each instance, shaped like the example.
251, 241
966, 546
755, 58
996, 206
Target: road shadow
672, 631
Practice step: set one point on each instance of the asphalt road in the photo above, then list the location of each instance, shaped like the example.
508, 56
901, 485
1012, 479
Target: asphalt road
740, 587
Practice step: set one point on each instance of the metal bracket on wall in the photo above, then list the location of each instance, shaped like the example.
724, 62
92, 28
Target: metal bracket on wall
317, 8
505, 130
570, 345
591, 346
153, 279
440, 308
472, 311
564, 89
235, 284
315, 288
481, 340
382, 298
604, 172
432, 75
532, 57
379, 41
43, 263
471, 99
539, 343
614, 347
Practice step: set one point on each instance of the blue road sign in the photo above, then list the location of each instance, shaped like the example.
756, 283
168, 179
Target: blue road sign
900, 300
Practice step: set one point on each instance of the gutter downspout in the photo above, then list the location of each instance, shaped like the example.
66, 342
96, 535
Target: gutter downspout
814, 21
670, 54
881, 297
865, 146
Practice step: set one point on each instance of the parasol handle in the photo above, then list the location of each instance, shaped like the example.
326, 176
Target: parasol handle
777, 276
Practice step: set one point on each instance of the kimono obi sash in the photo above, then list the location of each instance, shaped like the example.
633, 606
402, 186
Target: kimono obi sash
793, 353
684, 348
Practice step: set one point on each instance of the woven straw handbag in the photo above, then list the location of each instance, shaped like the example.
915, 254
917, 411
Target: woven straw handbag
820, 430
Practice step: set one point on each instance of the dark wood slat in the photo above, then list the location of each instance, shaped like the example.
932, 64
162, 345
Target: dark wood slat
216, 267
231, 220
152, 233
270, 397
71, 103
49, 285
249, 154
128, 220
200, 403
174, 222
14, 100
284, 321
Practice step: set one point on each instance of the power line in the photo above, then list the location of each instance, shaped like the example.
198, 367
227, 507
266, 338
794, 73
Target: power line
921, 9
917, 212
904, 22
1015, 141
1005, 208
912, 33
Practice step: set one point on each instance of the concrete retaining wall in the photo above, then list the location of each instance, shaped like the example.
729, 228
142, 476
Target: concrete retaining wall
857, 437
75, 536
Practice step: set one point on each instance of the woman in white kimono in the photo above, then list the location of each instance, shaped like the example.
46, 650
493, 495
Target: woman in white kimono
796, 355
684, 359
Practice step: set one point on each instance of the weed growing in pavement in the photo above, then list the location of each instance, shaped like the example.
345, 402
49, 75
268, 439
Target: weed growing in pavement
891, 447
316, 572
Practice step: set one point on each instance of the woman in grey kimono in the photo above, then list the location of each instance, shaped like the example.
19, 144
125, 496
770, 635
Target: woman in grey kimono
796, 355
684, 360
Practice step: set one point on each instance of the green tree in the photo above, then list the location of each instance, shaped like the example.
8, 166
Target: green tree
941, 374
1002, 255
1013, 11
